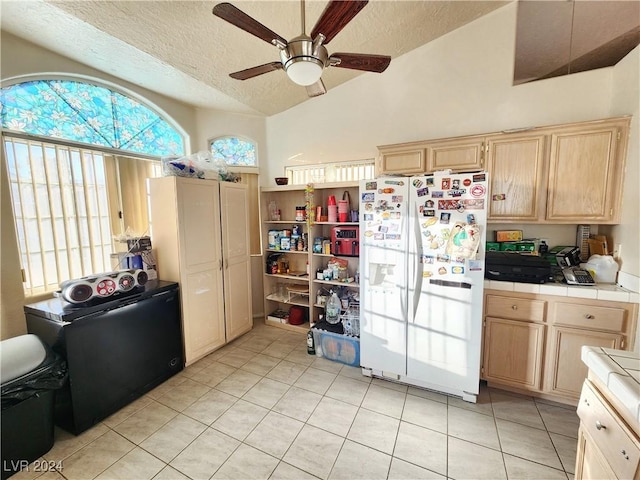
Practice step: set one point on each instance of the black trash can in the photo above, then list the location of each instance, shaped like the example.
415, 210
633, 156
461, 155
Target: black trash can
30, 374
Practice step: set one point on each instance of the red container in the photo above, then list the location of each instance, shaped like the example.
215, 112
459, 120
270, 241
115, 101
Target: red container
297, 315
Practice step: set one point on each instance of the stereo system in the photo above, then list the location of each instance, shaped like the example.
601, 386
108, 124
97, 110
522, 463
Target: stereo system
101, 286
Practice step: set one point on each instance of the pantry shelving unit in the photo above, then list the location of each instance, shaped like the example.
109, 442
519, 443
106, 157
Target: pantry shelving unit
287, 198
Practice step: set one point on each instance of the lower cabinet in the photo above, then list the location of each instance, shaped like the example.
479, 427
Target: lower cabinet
513, 352
608, 447
565, 371
532, 343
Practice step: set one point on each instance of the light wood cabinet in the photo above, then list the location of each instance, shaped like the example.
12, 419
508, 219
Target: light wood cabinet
514, 335
513, 352
282, 289
586, 166
576, 323
516, 165
607, 447
212, 269
531, 343
565, 372
463, 154
404, 159
570, 173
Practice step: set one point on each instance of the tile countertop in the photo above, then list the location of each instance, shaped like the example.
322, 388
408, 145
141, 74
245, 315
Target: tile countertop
619, 370
609, 292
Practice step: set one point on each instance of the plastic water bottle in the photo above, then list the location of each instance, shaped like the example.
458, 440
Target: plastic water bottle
332, 309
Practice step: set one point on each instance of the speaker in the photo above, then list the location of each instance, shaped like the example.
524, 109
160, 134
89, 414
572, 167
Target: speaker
102, 286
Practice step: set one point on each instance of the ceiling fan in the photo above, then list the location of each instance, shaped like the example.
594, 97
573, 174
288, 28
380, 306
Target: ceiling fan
305, 57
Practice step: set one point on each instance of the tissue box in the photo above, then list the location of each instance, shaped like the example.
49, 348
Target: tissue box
336, 347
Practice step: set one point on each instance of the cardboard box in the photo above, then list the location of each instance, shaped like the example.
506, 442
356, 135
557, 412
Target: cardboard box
508, 235
336, 347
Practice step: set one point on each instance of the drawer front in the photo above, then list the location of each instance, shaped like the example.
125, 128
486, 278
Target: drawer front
515, 308
611, 438
589, 316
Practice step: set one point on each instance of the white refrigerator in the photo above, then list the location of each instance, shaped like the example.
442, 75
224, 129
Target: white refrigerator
422, 274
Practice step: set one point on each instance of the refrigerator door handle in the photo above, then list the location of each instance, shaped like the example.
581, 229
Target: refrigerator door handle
417, 283
448, 283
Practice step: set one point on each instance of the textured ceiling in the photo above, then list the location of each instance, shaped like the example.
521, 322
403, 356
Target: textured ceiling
180, 49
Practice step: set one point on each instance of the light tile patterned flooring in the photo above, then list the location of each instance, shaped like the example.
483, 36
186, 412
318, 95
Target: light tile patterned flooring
262, 408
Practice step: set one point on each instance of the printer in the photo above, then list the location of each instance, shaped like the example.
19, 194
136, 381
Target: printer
517, 267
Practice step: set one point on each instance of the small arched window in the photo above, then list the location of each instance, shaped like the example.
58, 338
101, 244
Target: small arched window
234, 151
89, 114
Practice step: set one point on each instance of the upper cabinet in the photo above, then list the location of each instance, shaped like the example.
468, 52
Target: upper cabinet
557, 174
586, 165
408, 158
458, 154
516, 165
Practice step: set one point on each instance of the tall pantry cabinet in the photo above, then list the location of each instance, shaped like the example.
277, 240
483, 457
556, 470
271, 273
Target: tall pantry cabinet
200, 231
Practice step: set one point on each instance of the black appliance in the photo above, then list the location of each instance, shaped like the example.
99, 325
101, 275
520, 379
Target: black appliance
116, 351
516, 267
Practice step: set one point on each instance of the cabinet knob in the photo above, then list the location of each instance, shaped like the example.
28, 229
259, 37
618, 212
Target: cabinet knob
588, 316
599, 426
514, 307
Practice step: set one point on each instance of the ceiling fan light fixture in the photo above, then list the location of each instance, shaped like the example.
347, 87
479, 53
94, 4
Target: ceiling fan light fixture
303, 61
304, 71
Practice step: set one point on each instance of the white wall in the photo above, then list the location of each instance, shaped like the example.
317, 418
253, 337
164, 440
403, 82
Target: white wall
626, 99
456, 85
459, 84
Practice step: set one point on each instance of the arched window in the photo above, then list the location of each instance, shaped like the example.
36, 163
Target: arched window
234, 151
77, 157
90, 114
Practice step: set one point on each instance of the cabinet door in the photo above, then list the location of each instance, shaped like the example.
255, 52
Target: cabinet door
516, 172
513, 352
590, 463
460, 154
585, 174
200, 263
565, 372
234, 211
402, 160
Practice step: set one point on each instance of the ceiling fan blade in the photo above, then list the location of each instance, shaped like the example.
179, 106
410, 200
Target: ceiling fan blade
336, 16
316, 89
237, 17
255, 71
363, 61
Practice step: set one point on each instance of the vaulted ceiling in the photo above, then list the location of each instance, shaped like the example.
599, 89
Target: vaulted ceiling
178, 48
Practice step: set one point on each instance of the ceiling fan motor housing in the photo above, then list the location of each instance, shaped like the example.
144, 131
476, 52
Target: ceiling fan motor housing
302, 49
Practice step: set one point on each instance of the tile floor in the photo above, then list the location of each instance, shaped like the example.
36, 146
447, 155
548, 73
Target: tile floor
262, 408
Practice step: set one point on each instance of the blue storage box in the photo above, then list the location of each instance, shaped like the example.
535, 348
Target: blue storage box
336, 347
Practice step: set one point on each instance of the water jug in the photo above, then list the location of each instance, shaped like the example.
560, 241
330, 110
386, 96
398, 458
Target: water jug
332, 309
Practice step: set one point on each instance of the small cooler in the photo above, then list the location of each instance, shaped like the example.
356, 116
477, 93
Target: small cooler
30, 373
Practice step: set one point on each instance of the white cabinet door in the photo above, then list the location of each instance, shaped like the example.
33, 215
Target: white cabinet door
234, 210
201, 263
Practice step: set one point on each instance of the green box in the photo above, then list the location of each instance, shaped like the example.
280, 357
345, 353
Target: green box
525, 247
508, 247
493, 246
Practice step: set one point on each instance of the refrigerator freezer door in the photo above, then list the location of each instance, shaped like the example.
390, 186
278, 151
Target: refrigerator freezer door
383, 273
